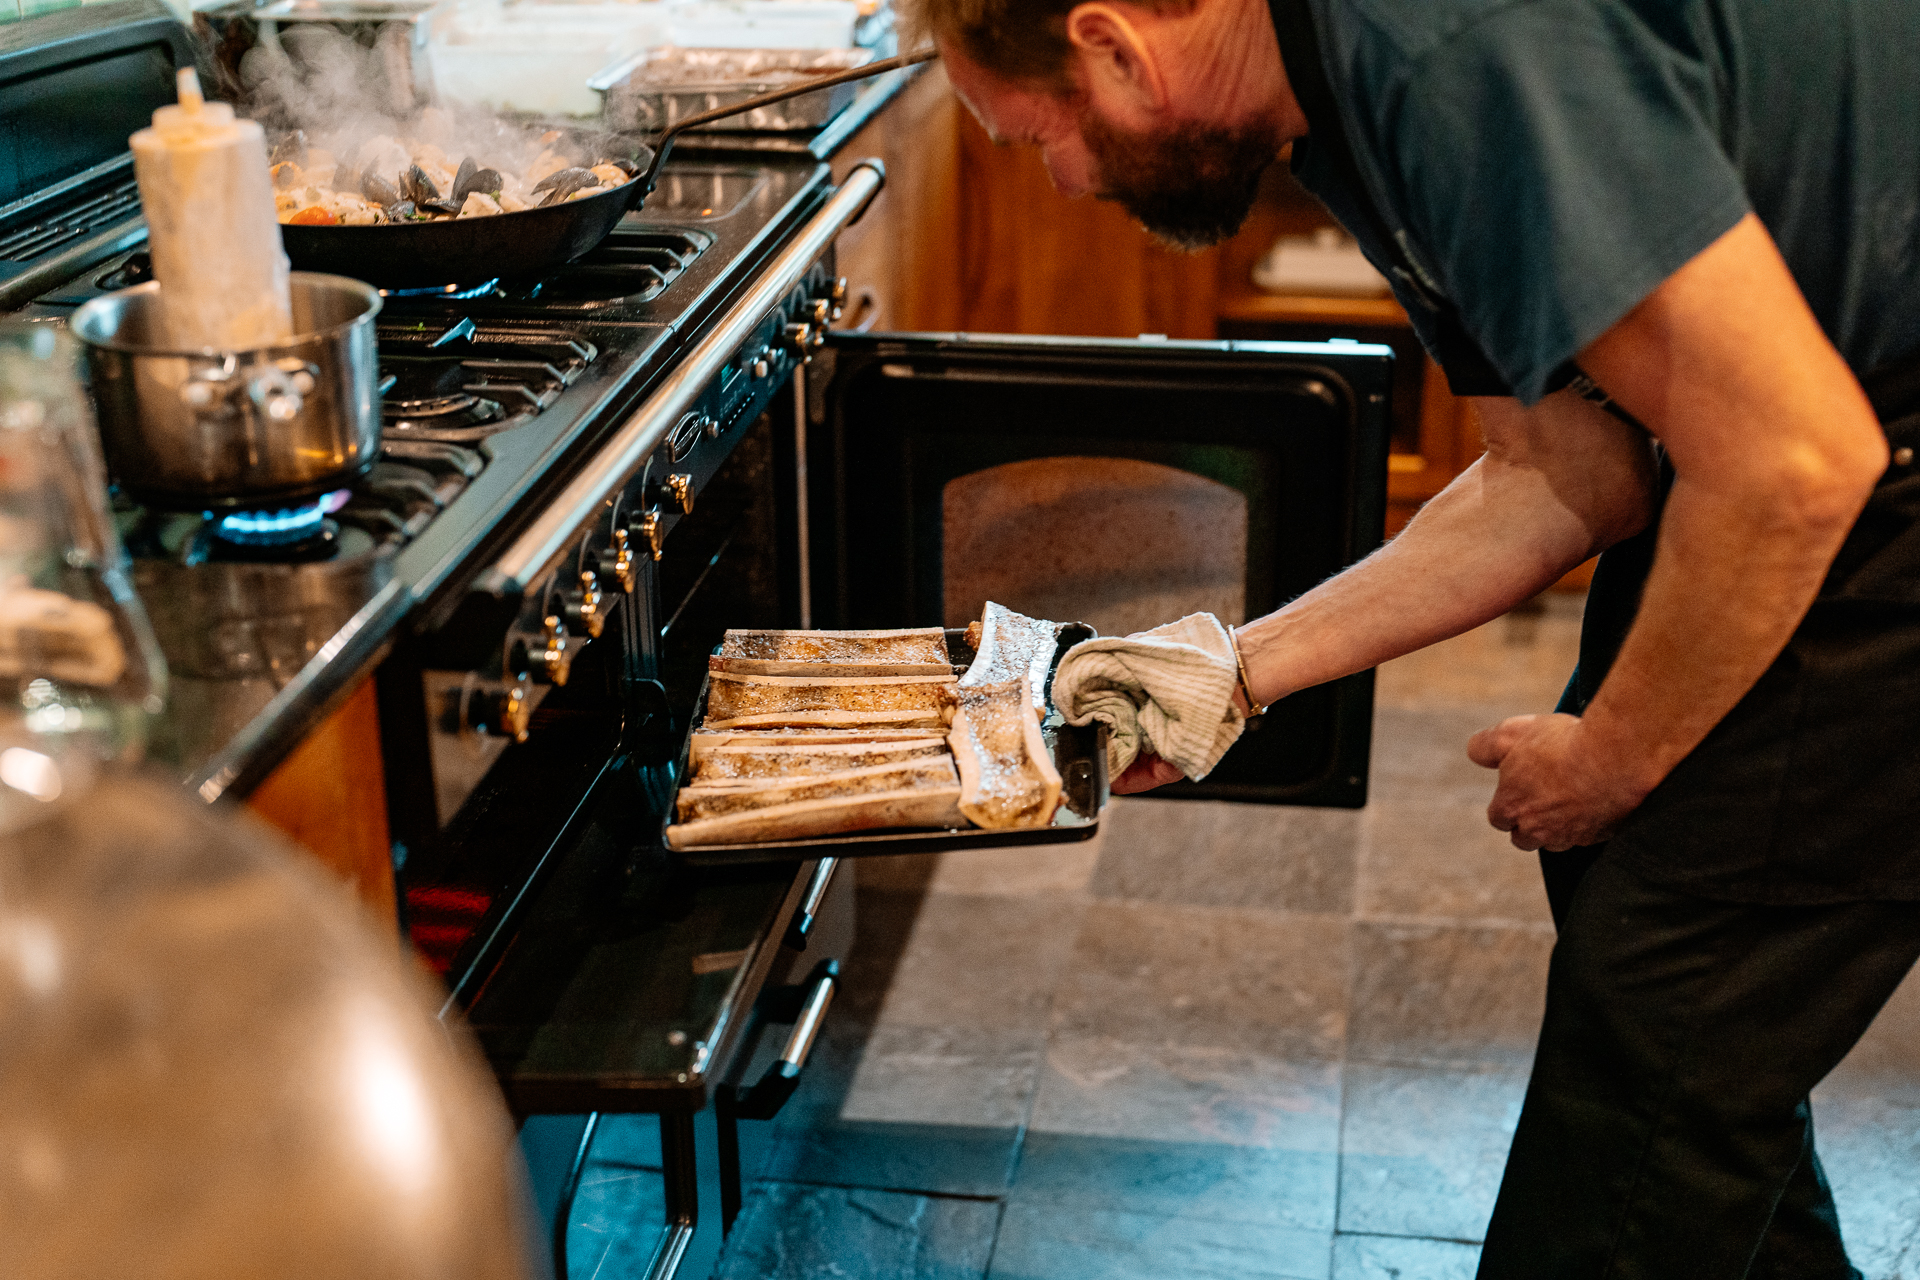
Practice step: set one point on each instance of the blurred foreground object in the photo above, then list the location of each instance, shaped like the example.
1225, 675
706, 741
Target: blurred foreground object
80, 673
211, 1067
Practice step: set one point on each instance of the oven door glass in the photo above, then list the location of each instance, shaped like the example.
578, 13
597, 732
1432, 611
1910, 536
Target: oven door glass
1123, 484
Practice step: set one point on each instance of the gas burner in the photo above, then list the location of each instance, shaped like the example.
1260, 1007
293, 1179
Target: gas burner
447, 292
294, 534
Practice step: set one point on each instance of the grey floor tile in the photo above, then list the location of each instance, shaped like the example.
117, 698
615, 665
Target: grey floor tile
1422, 1149
1519, 663
1265, 982
1434, 992
1387, 1258
1048, 1242
1871, 1150
944, 1075
1098, 1087
981, 962
1212, 853
618, 1215
788, 1232
1208, 1134
941, 1159
1022, 869
1192, 1181
1428, 851
934, 1111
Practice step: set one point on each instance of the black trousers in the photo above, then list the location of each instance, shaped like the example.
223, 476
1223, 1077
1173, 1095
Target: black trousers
1666, 1133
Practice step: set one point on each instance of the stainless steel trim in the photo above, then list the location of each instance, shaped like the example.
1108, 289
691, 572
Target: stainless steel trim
808, 1025
70, 262
801, 515
621, 457
818, 886
670, 1252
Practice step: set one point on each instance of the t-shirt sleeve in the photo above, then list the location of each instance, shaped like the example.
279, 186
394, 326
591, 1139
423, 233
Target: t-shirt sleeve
1556, 162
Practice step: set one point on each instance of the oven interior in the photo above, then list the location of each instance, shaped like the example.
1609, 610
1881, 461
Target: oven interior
1123, 484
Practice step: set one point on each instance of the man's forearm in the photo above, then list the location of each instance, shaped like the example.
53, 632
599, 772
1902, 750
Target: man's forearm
1559, 482
1731, 581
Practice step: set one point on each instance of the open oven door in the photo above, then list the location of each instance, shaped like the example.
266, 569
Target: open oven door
1120, 483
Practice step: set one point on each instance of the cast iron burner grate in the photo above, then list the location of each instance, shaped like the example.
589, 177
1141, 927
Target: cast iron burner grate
467, 381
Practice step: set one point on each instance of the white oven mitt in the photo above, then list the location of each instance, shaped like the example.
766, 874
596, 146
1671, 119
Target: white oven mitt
1168, 691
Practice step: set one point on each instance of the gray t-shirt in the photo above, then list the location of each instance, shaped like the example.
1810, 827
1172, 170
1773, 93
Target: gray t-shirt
1547, 163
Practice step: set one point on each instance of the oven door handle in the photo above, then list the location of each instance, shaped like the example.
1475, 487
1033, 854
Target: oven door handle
554, 530
763, 1100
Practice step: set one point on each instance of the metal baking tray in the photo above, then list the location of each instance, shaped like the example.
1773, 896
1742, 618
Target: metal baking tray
661, 87
1080, 754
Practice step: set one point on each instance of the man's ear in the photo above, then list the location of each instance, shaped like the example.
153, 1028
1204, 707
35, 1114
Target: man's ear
1115, 61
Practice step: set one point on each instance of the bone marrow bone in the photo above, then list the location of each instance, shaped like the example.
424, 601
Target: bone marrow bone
741, 758
804, 819
1007, 779
719, 799
915, 644
1012, 646
849, 670
906, 699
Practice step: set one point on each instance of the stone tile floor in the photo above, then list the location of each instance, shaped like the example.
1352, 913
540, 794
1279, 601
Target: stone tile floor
1221, 1041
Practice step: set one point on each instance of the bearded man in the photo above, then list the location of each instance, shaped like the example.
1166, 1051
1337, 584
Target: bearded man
1673, 248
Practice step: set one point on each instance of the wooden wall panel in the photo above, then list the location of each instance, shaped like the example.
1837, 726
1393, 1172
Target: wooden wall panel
1032, 261
900, 254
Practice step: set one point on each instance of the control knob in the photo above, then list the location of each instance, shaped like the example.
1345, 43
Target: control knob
585, 608
800, 339
507, 712
617, 561
553, 660
651, 532
676, 490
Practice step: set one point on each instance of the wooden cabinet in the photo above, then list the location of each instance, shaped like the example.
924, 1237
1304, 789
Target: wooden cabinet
329, 796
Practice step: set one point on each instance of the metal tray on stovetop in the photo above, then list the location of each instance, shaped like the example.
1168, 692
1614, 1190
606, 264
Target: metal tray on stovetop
1080, 755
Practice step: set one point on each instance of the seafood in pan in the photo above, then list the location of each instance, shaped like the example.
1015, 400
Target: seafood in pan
387, 179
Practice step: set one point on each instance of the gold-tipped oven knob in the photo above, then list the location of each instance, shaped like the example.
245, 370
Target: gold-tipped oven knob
680, 488
507, 712
823, 313
799, 340
553, 661
617, 561
837, 297
651, 533
586, 608
676, 491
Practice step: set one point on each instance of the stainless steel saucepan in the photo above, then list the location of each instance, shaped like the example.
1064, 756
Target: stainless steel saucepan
245, 429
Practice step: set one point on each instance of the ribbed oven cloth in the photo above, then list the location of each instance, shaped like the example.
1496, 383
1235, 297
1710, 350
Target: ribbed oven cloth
1168, 691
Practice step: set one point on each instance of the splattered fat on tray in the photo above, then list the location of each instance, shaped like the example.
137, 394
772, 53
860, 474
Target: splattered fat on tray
393, 180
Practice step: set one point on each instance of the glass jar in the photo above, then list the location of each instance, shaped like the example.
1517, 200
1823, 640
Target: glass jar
80, 673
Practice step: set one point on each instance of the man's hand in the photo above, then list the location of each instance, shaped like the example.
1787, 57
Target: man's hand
1557, 790
1145, 773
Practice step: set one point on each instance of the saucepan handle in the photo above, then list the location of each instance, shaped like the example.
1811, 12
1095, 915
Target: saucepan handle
664, 144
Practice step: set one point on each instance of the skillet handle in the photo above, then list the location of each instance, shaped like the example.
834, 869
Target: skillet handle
644, 187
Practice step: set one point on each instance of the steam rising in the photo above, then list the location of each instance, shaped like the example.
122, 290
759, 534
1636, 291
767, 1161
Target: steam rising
355, 100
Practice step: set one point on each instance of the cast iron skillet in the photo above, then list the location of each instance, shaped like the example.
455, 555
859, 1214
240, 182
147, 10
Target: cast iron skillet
475, 250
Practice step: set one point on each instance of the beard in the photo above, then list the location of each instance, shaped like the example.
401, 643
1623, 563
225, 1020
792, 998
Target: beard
1190, 186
